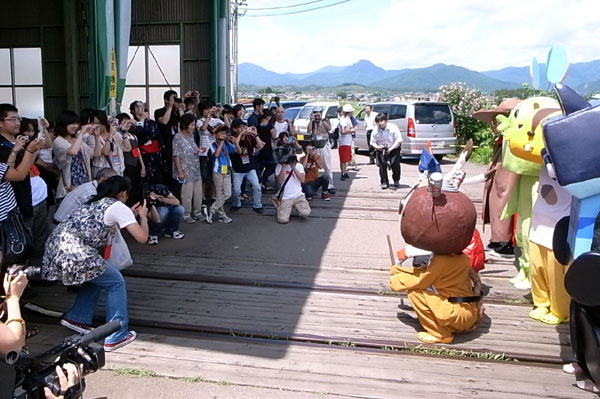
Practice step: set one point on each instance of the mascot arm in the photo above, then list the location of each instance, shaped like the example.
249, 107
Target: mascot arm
408, 278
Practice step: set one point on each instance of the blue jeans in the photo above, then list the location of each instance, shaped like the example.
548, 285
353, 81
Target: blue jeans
237, 188
170, 216
84, 306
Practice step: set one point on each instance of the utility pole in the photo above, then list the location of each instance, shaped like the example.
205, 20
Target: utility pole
236, 13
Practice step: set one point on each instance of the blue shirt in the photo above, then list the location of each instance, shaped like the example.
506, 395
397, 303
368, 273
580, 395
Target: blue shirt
223, 158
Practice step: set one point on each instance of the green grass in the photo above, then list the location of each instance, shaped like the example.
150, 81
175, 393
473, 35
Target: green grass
481, 156
443, 351
135, 372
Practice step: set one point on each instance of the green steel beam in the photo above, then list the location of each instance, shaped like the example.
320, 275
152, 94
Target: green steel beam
71, 54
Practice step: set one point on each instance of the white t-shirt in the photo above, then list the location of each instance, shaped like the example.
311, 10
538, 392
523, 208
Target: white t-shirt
281, 127
552, 204
39, 190
119, 214
370, 121
293, 188
345, 139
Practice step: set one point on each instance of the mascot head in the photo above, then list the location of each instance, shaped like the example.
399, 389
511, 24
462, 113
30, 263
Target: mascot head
442, 224
519, 133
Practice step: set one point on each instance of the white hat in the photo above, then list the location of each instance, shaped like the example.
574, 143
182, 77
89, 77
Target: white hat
348, 108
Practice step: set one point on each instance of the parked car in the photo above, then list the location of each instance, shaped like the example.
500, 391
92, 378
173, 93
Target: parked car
419, 122
303, 118
291, 113
285, 104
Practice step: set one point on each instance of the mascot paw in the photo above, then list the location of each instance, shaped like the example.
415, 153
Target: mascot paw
553, 319
522, 285
539, 312
430, 339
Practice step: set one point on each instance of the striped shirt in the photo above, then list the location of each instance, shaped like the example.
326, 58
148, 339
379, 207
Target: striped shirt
7, 195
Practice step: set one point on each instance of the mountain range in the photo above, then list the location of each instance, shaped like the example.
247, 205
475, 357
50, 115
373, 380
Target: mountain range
583, 77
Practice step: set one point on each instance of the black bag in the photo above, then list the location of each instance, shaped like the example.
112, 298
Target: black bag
16, 242
335, 135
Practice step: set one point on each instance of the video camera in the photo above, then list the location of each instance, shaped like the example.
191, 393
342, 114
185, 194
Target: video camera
36, 372
32, 272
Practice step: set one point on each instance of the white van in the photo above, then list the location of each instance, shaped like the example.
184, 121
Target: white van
420, 122
303, 118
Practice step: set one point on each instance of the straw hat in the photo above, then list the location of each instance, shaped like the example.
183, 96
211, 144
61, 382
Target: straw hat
489, 115
348, 108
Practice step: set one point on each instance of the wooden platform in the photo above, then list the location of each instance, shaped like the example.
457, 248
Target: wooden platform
306, 307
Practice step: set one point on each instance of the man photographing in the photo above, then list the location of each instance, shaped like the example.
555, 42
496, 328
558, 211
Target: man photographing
290, 175
319, 129
386, 140
311, 163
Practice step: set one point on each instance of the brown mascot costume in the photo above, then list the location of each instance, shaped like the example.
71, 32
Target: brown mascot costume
441, 293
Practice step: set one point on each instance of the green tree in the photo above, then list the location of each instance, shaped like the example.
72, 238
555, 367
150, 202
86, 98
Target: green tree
464, 101
342, 95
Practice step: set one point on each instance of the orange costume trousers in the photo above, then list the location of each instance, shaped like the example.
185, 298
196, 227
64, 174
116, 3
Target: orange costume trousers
439, 317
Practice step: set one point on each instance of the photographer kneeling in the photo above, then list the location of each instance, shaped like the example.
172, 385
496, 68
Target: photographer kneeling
290, 175
74, 255
170, 214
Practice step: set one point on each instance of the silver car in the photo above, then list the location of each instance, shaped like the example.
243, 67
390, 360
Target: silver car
420, 123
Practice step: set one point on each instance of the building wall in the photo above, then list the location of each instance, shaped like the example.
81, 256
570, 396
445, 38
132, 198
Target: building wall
59, 28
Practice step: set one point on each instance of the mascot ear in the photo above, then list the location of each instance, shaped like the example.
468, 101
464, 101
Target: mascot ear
503, 122
569, 100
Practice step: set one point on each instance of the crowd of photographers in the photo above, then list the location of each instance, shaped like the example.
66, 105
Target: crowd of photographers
92, 175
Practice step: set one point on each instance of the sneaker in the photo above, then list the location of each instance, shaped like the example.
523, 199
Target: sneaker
189, 219
309, 198
153, 240
81, 328
225, 219
342, 178
396, 184
331, 191
234, 208
325, 197
199, 216
178, 235
384, 186
116, 345
492, 245
346, 175
264, 187
258, 210
209, 218
503, 251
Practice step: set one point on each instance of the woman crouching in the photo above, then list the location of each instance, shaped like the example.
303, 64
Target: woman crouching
74, 255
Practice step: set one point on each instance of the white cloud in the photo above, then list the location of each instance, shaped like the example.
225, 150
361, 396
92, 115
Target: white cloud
406, 34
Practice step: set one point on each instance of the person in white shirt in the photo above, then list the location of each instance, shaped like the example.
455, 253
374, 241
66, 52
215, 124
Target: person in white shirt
291, 176
369, 127
346, 129
386, 140
77, 197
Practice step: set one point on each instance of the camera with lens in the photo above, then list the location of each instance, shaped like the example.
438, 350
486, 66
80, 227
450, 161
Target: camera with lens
34, 373
32, 272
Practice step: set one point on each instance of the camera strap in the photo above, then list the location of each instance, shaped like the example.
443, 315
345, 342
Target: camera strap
284, 183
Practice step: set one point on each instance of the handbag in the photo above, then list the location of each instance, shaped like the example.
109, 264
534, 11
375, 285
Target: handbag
16, 242
279, 193
117, 253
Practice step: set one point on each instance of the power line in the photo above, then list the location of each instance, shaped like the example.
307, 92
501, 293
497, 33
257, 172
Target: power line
298, 12
276, 8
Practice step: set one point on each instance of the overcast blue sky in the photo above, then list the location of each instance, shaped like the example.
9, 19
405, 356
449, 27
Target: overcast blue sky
396, 34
